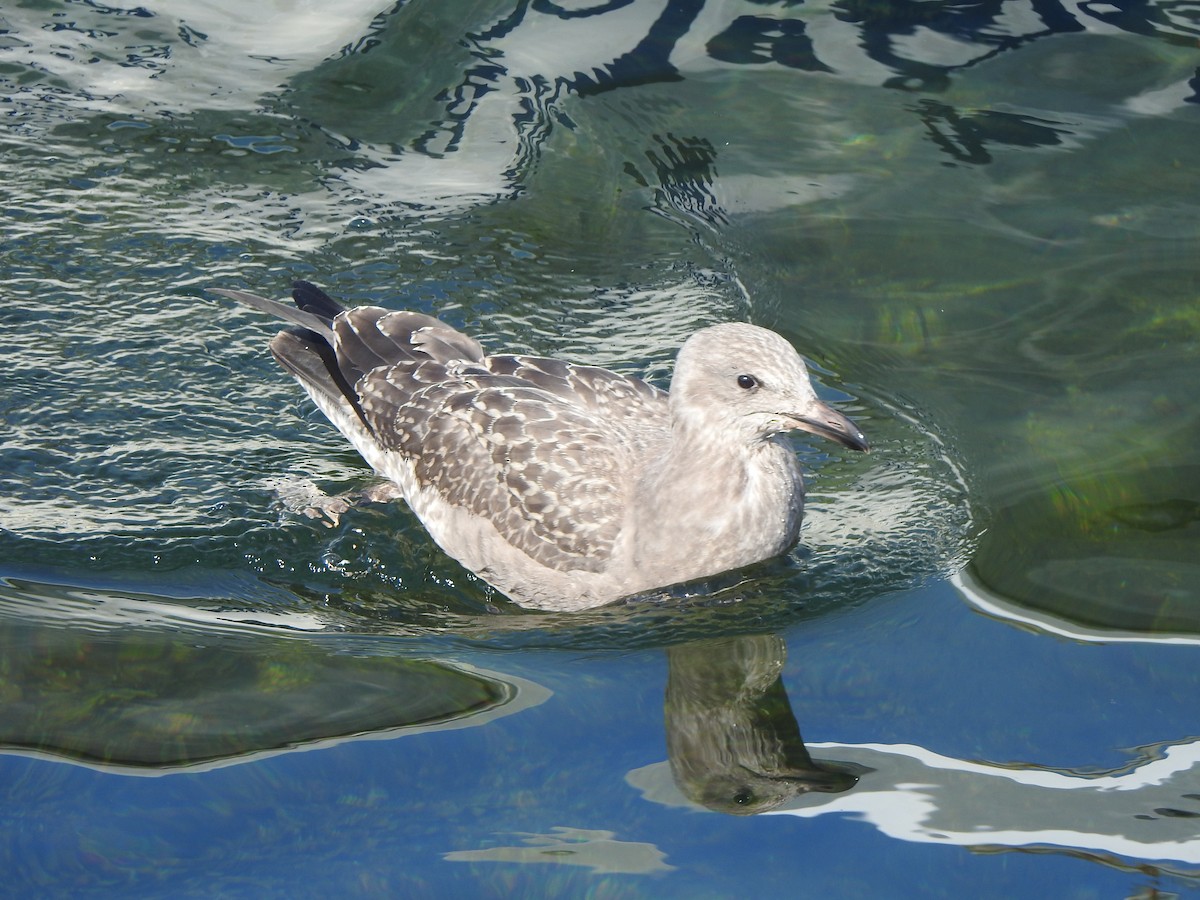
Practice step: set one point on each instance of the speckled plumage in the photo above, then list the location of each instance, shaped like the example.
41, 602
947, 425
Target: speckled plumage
566, 486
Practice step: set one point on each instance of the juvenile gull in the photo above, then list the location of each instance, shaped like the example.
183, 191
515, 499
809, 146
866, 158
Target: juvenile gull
567, 486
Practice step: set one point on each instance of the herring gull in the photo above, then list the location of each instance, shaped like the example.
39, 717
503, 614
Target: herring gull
567, 486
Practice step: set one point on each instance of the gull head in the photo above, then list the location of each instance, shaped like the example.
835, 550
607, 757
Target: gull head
752, 383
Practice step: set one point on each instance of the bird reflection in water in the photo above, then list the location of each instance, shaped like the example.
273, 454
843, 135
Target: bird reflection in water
732, 740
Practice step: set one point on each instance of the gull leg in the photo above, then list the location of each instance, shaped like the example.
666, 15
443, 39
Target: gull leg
301, 497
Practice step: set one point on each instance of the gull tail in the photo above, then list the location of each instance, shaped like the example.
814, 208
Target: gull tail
307, 351
314, 309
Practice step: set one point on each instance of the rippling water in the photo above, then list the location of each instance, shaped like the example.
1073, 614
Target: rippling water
978, 221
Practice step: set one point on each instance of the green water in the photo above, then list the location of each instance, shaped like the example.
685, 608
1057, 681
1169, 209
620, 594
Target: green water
979, 222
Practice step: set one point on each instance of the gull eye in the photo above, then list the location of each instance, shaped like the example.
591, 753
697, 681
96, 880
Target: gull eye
747, 382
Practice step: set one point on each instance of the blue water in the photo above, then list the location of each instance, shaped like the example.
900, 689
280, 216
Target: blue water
975, 677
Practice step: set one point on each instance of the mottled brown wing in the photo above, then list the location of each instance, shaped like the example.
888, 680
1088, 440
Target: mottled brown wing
546, 469
635, 406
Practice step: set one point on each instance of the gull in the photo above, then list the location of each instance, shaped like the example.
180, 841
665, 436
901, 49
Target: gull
567, 486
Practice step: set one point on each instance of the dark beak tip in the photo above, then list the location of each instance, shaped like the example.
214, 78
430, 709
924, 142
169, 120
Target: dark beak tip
837, 428
856, 442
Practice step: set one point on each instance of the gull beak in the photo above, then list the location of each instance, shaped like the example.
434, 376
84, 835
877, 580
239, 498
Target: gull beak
829, 423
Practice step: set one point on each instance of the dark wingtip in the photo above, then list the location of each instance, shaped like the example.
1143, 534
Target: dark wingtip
312, 299
314, 363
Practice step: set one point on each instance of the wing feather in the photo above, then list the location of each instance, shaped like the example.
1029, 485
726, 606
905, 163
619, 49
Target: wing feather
549, 473
619, 401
